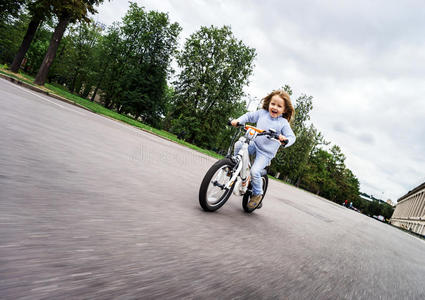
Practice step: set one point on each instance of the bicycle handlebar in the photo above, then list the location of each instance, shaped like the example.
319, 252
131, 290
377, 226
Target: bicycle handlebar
237, 125
269, 134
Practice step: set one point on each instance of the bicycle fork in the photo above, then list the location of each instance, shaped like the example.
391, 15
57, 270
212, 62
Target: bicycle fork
240, 175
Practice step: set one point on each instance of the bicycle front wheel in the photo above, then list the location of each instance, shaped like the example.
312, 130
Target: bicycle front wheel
213, 193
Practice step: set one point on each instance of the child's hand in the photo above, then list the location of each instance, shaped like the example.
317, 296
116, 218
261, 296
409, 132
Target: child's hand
282, 138
234, 122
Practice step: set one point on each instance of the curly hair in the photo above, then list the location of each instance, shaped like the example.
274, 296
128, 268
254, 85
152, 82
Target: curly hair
289, 111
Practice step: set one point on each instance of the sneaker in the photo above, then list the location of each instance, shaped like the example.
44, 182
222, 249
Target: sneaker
254, 201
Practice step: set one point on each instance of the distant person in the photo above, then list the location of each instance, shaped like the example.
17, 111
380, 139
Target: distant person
276, 113
346, 203
351, 204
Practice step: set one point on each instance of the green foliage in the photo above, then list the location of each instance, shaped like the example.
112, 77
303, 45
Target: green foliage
374, 208
67, 12
142, 49
386, 210
215, 67
10, 9
75, 10
11, 33
76, 67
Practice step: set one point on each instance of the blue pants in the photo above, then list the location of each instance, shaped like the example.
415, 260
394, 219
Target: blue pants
261, 161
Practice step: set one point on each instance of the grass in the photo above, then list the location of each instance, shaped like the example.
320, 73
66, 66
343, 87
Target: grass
99, 109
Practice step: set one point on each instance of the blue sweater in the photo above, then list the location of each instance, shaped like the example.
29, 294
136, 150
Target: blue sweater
264, 121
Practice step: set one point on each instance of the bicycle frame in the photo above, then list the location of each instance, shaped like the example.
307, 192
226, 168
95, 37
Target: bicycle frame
243, 164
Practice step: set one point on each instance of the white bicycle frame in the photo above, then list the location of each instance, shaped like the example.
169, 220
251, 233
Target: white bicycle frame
242, 158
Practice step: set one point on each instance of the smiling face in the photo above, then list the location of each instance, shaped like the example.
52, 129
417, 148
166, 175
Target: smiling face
276, 106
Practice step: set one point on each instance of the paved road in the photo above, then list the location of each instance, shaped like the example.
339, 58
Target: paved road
94, 209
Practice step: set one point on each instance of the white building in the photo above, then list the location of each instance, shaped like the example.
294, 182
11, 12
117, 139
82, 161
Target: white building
410, 211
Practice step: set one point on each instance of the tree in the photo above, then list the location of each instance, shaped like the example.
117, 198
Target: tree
215, 67
67, 11
317, 176
12, 30
374, 208
106, 58
9, 9
151, 42
387, 210
39, 10
135, 80
79, 64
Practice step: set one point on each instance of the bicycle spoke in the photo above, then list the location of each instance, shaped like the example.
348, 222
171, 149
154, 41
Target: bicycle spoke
216, 188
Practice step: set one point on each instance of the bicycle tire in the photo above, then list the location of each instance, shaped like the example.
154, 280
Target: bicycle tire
206, 183
248, 194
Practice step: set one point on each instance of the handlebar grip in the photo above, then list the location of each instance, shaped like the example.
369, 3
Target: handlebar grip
230, 123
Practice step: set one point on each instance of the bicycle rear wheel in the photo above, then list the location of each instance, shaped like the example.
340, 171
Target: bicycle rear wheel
248, 194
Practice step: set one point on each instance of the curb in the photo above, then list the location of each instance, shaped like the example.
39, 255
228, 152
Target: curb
40, 90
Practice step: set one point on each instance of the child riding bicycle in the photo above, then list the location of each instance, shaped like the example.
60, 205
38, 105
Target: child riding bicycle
276, 113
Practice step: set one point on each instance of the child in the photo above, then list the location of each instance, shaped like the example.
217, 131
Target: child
276, 113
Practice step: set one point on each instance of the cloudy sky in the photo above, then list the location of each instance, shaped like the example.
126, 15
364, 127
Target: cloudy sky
362, 61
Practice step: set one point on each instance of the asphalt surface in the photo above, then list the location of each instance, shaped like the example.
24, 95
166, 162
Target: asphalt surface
91, 208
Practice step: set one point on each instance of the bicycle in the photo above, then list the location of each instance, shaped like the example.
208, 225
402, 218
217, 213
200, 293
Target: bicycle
232, 174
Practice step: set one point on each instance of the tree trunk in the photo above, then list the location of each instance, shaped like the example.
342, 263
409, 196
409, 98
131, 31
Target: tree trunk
99, 82
25, 45
78, 86
87, 90
298, 181
40, 79
94, 94
74, 79
108, 103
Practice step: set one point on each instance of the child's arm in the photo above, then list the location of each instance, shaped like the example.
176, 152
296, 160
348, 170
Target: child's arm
287, 134
249, 117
